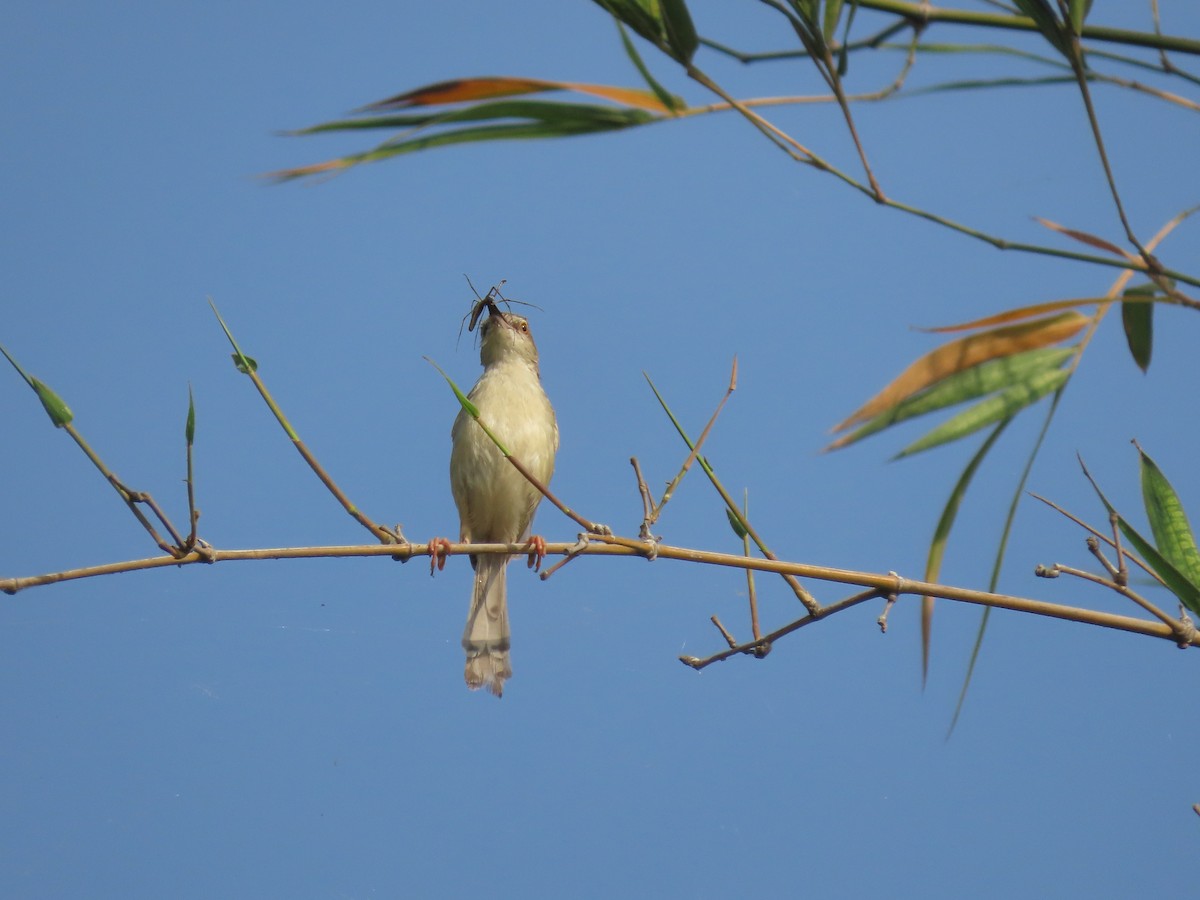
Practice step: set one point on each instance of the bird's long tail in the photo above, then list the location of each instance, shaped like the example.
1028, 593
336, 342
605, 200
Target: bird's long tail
486, 637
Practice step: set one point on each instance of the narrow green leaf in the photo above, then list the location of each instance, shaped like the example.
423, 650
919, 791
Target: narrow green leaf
680, 31
625, 118
59, 413
548, 111
977, 381
941, 535
1177, 583
829, 22
1042, 14
643, 17
661, 92
1079, 10
1137, 315
999, 406
189, 430
1173, 534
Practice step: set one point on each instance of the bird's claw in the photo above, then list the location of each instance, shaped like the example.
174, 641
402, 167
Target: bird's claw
437, 554
537, 552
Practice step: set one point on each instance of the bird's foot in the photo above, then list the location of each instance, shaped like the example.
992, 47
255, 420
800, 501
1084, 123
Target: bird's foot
537, 552
437, 554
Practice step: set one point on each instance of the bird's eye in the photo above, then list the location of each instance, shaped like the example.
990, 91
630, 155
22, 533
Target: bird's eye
525, 327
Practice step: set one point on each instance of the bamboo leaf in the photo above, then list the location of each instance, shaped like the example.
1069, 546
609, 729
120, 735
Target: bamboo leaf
1004, 405
1046, 21
189, 429
965, 352
1078, 13
1173, 534
1016, 315
941, 535
60, 414
979, 381
1083, 237
829, 23
738, 528
245, 364
1137, 316
666, 24
462, 90
58, 411
660, 92
506, 131
550, 112
680, 31
1177, 583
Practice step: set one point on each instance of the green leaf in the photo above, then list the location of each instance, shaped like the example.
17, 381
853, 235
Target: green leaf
189, 430
1079, 10
941, 535
738, 528
245, 364
1046, 21
1173, 534
999, 406
681, 32
661, 92
829, 24
1137, 315
613, 119
60, 414
978, 381
551, 112
666, 24
1177, 583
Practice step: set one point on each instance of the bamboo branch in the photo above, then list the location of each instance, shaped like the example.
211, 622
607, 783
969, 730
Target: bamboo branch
877, 584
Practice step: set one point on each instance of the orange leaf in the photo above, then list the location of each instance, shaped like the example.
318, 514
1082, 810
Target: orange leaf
1016, 315
629, 96
463, 90
1084, 238
964, 353
460, 90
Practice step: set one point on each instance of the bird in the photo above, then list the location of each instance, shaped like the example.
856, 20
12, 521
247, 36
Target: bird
496, 503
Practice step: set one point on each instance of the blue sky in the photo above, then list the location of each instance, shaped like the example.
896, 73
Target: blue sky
301, 729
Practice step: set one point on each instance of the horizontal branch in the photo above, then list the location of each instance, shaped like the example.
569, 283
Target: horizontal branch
887, 584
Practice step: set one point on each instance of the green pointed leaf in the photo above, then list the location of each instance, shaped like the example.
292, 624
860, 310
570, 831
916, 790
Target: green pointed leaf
553, 113
605, 119
669, 101
1137, 315
941, 535
189, 430
245, 364
1046, 21
1079, 10
665, 23
999, 406
829, 23
1177, 583
681, 32
60, 414
738, 528
1173, 534
978, 381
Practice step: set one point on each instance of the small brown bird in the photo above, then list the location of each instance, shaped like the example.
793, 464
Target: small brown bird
496, 504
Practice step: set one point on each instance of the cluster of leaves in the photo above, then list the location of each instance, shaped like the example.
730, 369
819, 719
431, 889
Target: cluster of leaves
1000, 365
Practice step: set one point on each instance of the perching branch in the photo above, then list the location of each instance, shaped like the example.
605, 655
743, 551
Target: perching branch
875, 584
